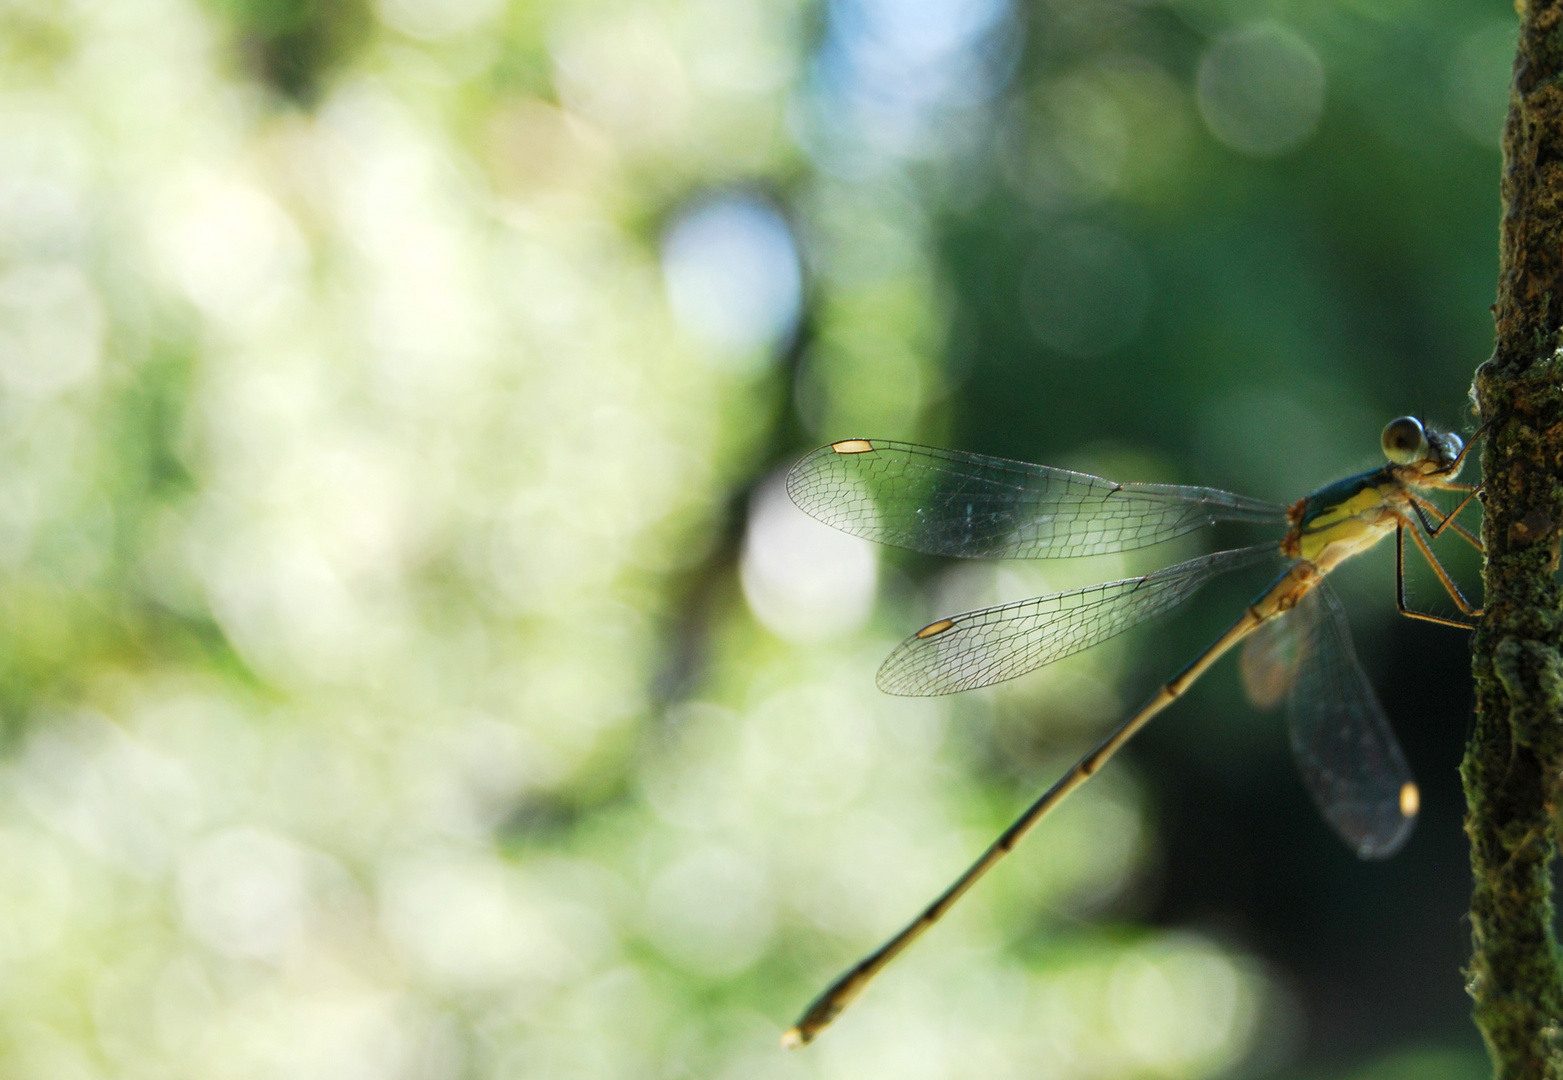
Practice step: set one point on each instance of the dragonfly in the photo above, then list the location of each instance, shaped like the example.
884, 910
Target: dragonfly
1297, 643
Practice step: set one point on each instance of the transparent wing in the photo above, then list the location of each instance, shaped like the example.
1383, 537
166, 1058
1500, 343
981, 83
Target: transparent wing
979, 648
1268, 662
1348, 755
945, 502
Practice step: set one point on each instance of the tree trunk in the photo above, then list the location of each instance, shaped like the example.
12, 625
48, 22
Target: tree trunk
1514, 761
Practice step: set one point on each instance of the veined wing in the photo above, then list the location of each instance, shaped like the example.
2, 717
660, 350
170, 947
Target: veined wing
979, 648
1348, 756
947, 502
1268, 663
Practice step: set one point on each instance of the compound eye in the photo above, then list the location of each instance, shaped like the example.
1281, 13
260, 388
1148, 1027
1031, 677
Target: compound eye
1404, 440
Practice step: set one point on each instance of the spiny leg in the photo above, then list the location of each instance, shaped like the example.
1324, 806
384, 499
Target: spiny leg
1443, 576
1423, 504
1471, 492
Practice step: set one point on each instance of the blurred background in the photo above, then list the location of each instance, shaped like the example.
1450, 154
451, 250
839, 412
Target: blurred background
411, 666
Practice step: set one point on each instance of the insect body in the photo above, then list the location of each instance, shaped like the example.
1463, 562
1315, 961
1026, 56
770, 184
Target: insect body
946, 502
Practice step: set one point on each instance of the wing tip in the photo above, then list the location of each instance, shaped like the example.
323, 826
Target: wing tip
1382, 845
900, 679
890, 682
809, 465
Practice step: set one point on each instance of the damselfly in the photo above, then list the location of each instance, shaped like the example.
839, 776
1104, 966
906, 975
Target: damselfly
945, 502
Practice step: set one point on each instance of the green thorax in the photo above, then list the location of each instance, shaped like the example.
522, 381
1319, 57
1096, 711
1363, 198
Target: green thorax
1342, 498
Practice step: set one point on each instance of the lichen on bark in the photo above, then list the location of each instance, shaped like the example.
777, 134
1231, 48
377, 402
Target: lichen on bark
1513, 767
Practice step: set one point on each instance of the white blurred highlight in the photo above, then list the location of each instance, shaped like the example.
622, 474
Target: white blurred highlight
1261, 89
804, 580
1174, 1005
116, 800
623, 73
435, 19
232, 249
809, 751
37, 894
1180, 1006
710, 911
243, 893
472, 922
51, 329
732, 276
43, 172
285, 607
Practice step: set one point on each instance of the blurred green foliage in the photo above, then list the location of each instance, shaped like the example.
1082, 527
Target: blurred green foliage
410, 665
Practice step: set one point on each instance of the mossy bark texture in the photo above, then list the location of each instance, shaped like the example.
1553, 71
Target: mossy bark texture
1513, 769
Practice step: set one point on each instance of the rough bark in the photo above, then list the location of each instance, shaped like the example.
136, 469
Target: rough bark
1514, 762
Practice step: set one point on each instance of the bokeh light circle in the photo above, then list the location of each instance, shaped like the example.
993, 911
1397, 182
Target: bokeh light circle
730, 267
1477, 81
1261, 89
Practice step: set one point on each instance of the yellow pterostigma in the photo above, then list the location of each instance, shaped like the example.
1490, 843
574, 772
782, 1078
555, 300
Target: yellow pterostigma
945, 502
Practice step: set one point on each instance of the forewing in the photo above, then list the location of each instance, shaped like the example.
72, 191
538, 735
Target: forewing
1347, 753
946, 502
979, 648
